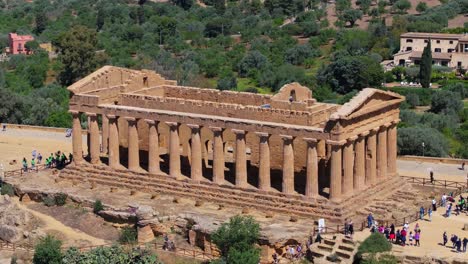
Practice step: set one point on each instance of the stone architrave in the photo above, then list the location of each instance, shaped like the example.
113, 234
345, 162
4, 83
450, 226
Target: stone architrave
153, 147
312, 184
114, 145
218, 155
241, 158
264, 180
382, 153
392, 149
133, 148
288, 164
371, 158
94, 148
77, 138
359, 179
105, 134
174, 149
336, 169
348, 167
196, 153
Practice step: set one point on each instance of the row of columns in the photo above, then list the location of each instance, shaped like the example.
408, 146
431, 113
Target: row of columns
110, 145
355, 163
362, 160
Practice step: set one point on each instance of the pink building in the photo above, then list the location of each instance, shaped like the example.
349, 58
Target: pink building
17, 43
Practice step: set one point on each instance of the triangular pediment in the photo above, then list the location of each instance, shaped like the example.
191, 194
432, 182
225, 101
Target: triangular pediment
367, 100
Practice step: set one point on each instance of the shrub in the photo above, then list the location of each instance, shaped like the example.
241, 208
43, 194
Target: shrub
7, 189
98, 206
128, 235
236, 240
48, 201
114, 254
61, 199
47, 251
413, 100
382, 259
446, 102
375, 243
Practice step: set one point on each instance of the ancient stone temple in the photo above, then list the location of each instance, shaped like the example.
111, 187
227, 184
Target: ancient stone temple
285, 152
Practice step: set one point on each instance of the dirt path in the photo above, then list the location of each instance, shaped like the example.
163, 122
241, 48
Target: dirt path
51, 224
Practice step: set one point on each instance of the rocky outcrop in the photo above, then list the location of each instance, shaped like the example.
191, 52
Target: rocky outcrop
15, 223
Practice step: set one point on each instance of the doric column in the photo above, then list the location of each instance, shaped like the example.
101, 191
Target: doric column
114, 145
371, 157
153, 147
360, 163
77, 138
348, 167
312, 184
218, 155
196, 153
133, 148
241, 158
105, 134
382, 153
336, 169
264, 166
392, 149
174, 149
94, 138
288, 164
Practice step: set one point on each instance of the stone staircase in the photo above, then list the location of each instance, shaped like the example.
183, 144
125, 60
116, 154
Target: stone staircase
206, 191
336, 249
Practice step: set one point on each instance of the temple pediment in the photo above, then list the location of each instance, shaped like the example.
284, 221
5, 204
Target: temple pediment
368, 100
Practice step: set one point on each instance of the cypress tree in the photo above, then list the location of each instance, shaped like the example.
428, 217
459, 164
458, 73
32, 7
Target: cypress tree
425, 68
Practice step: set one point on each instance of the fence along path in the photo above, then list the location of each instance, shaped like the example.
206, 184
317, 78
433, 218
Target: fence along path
179, 251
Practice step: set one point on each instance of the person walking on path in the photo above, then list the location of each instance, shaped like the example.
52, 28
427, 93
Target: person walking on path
459, 244
39, 158
351, 229
444, 236
370, 220
434, 204
25, 165
33, 164
431, 175
465, 241
421, 213
429, 213
444, 200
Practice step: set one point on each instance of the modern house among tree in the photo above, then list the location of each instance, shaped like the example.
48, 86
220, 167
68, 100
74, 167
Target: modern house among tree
449, 50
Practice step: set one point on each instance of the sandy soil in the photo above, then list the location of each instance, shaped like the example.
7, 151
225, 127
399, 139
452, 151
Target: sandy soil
79, 219
70, 236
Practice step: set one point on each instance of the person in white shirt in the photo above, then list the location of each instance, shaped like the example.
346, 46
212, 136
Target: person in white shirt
444, 200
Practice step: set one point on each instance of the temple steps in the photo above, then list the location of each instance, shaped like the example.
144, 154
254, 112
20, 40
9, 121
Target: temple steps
336, 248
267, 203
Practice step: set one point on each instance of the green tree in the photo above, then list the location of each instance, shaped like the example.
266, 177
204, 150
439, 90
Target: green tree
32, 45
110, 255
413, 100
77, 53
48, 251
410, 142
185, 4
364, 5
227, 81
402, 6
421, 7
342, 5
425, 68
41, 22
348, 73
236, 240
446, 102
351, 16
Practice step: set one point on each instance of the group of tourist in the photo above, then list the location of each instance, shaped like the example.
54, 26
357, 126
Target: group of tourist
168, 245
459, 207
403, 237
59, 160
457, 242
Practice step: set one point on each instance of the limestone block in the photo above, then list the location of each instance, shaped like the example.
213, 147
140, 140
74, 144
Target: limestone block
25, 198
145, 234
9, 233
192, 237
145, 212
